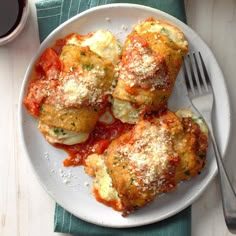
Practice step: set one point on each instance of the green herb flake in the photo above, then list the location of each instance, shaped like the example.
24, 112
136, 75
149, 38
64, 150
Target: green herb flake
73, 123
41, 108
187, 172
88, 67
63, 132
163, 98
131, 180
56, 130
119, 46
163, 30
82, 53
201, 155
195, 119
153, 23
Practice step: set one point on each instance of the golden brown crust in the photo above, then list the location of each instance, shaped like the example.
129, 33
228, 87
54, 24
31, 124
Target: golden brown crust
141, 98
153, 157
192, 150
73, 111
149, 86
167, 55
141, 163
74, 119
82, 59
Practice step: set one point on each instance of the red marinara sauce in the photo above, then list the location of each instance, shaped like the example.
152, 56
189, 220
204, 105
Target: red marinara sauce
97, 142
44, 79
112, 203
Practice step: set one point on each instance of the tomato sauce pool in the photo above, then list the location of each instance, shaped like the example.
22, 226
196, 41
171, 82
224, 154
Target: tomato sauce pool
97, 142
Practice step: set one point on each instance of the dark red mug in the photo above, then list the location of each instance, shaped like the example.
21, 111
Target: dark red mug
13, 16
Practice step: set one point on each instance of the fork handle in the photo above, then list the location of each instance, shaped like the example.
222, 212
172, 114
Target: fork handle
227, 192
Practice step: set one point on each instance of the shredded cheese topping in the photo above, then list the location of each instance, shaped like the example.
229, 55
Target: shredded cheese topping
149, 156
82, 87
143, 67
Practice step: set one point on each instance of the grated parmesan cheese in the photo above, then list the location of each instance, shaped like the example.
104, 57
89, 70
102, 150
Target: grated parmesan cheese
143, 67
149, 156
81, 87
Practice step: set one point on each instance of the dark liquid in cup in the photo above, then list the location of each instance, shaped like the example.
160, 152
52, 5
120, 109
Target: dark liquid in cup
10, 15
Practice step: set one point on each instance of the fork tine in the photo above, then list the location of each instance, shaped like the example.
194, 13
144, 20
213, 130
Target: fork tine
193, 77
205, 72
202, 80
186, 77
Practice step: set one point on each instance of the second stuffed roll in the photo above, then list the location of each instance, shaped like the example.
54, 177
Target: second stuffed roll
151, 59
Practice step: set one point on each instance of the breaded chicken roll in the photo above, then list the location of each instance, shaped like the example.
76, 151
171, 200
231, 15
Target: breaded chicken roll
152, 57
69, 92
152, 158
85, 84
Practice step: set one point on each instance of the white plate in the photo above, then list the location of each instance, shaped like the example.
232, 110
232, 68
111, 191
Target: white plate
76, 196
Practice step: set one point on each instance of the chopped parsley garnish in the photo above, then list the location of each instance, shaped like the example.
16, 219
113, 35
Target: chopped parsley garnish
88, 67
41, 108
187, 172
83, 53
197, 119
119, 46
201, 155
73, 123
131, 180
59, 131
163, 97
56, 130
163, 30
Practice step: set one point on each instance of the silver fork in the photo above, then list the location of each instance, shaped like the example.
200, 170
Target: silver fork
201, 95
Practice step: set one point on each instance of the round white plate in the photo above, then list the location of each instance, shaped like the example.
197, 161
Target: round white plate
71, 187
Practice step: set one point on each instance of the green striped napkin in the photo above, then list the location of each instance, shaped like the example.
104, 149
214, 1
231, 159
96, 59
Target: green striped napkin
50, 14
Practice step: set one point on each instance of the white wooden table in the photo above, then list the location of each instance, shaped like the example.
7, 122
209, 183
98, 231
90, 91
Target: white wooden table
25, 208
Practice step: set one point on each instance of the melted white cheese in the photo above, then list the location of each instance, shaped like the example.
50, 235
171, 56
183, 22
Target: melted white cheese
101, 42
171, 32
124, 111
102, 181
196, 118
107, 117
62, 136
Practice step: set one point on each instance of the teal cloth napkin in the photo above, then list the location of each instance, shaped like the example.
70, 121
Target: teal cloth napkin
50, 14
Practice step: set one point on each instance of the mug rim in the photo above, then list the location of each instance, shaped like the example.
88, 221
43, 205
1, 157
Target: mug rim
8, 38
